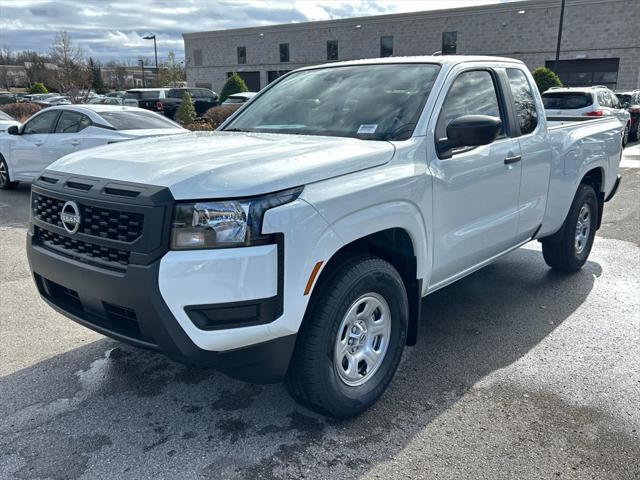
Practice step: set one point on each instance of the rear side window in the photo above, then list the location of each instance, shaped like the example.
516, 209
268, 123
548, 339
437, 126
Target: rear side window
566, 100
523, 99
72, 122
472, 93
129, 120
175, 93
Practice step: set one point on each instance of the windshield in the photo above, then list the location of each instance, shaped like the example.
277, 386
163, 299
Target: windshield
566, 100
376, 102
624, 97
128, 120
4, 116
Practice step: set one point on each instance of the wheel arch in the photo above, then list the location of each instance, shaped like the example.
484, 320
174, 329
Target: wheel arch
596, 178
396, 246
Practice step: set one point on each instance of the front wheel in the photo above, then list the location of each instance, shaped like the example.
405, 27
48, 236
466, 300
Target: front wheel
5, 183
569, 249
351, 339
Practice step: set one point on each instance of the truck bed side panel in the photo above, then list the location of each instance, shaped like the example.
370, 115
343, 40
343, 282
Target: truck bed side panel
576, 149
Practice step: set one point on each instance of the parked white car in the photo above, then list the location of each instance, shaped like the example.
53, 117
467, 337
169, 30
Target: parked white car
7, 121
598, 101
298, 240
242, 97
58, 131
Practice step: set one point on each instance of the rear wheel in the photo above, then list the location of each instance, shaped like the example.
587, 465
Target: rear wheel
5, 183
351, 339
625, 135
634, 135
569, 249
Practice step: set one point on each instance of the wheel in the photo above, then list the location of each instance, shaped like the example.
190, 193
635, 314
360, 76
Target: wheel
634, 135
625, 135
569, 249
351, 339
5, 183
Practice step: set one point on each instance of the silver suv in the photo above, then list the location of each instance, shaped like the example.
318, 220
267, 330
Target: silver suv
596, 101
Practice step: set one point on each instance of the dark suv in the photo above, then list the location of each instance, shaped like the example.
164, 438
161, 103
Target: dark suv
169, 102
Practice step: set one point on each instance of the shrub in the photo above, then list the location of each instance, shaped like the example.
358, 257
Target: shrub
199, 127
234, 84
186, 113
38, 88
216, 115
545, 79
21, 111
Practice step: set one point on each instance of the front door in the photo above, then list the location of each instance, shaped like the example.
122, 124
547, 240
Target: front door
475, 192
27, 154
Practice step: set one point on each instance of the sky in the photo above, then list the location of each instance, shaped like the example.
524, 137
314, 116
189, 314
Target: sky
113, 29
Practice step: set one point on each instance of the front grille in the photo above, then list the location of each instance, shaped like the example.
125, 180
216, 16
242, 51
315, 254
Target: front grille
83, 251
95, 221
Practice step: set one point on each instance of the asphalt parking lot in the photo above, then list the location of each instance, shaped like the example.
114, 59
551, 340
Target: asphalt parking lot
519, 373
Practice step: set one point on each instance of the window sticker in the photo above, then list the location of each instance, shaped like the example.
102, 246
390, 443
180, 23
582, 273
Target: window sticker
367, 129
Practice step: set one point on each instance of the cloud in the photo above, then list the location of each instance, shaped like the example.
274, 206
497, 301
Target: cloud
113, 29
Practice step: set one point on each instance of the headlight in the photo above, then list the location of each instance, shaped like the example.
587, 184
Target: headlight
224, 223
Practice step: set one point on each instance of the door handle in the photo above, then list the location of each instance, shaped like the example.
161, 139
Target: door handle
38, 144
75, 142
514, 159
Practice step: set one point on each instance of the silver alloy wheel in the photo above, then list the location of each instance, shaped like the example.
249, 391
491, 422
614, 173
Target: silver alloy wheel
583, 229
4, 175
363, 339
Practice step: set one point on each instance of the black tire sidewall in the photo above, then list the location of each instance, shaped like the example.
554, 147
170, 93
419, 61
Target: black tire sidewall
585, 195
342, 400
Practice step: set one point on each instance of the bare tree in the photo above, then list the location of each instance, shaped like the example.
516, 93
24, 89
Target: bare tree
72, 76
171, 72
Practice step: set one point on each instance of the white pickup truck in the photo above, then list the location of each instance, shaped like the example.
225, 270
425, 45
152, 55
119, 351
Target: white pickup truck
297, 241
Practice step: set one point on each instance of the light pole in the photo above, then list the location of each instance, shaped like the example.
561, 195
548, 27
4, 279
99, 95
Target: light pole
555, 65
155, 51
142, 68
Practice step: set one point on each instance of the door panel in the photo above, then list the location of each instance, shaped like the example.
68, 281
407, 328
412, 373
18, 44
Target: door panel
27, 152
475, 193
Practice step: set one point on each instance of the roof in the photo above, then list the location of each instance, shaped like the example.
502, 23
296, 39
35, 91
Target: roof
438, 59
96, 108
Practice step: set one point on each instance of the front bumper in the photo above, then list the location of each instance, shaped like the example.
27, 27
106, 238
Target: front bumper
129, 307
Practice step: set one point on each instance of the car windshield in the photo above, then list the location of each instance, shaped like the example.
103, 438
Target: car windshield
374, 102
128, 120
566, 100
4, 116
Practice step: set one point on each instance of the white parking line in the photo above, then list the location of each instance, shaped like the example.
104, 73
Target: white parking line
631, 157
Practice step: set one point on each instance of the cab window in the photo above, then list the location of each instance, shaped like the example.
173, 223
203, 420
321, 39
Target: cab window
525, 104
471, 93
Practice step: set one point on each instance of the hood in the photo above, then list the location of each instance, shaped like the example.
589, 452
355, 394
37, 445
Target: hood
227, 164
152, 132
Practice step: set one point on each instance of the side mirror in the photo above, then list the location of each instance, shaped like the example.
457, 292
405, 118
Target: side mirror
469, 131
626, 105
13, 130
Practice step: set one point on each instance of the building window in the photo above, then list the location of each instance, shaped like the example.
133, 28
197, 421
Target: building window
284, 52
386, 46
332, 50
449, 43
197, 58
242, 55
275, 74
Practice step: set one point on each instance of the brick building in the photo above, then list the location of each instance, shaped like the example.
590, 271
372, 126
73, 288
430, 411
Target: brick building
600, 41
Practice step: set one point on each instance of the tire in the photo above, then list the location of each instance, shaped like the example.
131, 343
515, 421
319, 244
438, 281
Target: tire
634, 136
625, 135
568, 250
316, 379
5, 183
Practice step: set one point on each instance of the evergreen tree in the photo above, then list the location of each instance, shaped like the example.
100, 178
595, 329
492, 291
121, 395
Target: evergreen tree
234, 84
545, 79
186, 113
